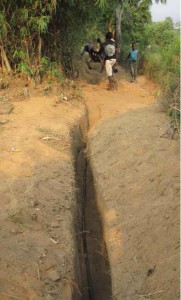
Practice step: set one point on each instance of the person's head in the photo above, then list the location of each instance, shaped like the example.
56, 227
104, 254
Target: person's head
98, 40
133, 45
109, 36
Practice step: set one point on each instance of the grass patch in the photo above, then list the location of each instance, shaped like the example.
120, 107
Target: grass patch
68, 91
48, 131
6, 109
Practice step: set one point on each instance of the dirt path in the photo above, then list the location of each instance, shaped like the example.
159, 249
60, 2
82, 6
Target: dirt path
132, 184
103, 104
136, 177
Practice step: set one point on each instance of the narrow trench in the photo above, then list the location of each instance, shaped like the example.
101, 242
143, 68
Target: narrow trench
93, 255
96, 255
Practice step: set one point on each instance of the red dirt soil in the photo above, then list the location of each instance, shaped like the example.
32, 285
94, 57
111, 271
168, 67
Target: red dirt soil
136, 177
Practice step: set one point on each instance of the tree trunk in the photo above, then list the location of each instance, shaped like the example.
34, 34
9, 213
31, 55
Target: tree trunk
2, 62
25, 44
5, 61
66, 54
39, 49
119, 12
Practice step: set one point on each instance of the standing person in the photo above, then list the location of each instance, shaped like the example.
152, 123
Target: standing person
110, 58
133, 60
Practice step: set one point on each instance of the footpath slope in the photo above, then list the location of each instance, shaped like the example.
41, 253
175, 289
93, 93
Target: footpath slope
136, 180
38, 257
136, 177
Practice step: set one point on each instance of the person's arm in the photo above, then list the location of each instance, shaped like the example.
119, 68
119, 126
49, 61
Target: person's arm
92, 52
116, 54
100, 51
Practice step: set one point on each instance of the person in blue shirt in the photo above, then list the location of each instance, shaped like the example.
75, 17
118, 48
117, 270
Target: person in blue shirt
133, 61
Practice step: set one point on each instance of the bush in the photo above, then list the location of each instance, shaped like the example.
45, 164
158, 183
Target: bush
162, 65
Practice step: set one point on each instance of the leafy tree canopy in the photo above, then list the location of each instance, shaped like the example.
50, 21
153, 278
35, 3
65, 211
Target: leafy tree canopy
33, 32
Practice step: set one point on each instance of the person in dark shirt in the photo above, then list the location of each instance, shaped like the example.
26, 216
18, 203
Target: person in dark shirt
101, 52
89, 48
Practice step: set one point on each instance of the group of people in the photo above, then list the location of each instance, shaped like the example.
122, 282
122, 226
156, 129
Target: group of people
107, 55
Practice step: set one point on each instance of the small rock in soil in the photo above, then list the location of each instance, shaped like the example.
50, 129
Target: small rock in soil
55, 224
34, 216
16, 231
34, 203
151, 271
2, 122
54, 275
47, 281
4, 85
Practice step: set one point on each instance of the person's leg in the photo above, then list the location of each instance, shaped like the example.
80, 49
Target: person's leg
111, 83
135, 71
109, 70
114, 82
88, 61
132, 71
102, 66
108, 66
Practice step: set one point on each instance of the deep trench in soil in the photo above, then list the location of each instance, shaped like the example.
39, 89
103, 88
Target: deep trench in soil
93, 255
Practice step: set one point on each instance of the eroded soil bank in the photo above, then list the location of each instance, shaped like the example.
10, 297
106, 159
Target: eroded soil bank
38, 225
136, 175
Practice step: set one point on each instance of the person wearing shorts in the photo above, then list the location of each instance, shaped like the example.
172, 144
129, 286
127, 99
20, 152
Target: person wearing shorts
110, 59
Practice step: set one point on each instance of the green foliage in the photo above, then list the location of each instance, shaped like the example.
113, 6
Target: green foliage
174, 115
25, 69
4, 26
162, 61
51, 68
134, 21
32, 29
159, 34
